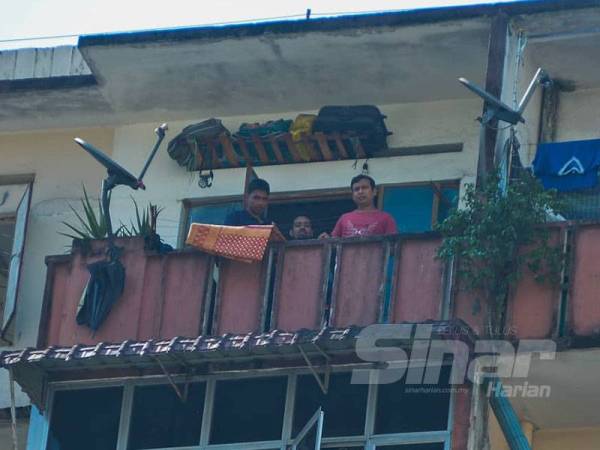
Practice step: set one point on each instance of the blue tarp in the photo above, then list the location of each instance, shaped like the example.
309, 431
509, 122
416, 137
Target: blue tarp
568, 166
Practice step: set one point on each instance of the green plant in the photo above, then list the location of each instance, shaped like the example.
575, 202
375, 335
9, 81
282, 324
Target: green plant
145, 221
496, 236
90, 225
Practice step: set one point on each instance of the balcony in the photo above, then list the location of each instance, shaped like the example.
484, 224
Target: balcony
308, 284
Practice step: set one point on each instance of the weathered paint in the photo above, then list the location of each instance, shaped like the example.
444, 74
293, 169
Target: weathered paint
162, 297
299, 298
418, 282
460, 420
533, 309
585, 286
358, 286
239, 297
470, 307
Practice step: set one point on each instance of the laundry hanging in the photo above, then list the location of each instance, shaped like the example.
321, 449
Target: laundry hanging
568, 166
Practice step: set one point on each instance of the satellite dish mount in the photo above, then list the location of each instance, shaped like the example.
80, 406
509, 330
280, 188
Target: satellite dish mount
497, 110
117, 175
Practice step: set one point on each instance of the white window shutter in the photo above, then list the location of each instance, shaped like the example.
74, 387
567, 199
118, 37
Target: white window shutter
16, 258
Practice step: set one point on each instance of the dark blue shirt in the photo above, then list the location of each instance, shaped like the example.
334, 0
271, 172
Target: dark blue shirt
242, 217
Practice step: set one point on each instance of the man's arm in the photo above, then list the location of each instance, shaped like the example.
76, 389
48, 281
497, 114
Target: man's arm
390, 225
337, 231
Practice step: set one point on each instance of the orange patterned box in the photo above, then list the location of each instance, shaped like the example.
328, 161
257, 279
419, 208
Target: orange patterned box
246, 244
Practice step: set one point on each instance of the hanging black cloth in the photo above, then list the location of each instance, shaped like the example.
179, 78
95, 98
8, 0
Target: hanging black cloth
106, 284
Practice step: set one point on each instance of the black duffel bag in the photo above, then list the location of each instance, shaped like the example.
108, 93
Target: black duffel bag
366, 121
189, 147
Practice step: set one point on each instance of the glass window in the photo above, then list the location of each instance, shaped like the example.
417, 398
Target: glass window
412, 206
412, 408
344, 405
14, 212
248, 410
86, 418
161, 419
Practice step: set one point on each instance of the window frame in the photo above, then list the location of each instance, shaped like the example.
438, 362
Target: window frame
310, 195
6, 323
367, 440
435, 204
274, 198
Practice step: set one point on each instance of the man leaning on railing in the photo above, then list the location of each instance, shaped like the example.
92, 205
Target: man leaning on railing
366, 219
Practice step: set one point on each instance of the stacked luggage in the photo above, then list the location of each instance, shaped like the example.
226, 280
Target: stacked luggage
336, 132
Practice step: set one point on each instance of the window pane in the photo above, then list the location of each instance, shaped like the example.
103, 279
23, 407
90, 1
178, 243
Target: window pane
410, 408
248, 410
410, 207
214, 214
160, 419
85, 419
344, 405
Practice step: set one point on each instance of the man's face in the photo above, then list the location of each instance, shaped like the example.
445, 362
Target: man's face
302, 228
363, 194
257, 202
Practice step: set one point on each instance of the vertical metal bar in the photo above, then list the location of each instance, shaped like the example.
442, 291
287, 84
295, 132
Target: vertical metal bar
336, 282
451, 403
126, 411
158, 317
325, 274
279, 265
219, 289
209, 398
383, 294
266, 289
397, 249
48, 413
447, 303
566, 280
13, 410
288, 416
208, 293
371, 404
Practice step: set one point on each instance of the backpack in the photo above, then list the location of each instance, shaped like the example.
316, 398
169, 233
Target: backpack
366, 121
302, 126
189, 147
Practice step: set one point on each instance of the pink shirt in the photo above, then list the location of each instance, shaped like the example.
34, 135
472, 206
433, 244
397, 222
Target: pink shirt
364, 223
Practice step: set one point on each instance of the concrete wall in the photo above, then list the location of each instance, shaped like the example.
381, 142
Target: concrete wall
59, 168
413, 124
570, 438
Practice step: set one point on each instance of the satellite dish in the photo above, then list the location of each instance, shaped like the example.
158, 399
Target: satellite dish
497, 110
113, 169
118, 175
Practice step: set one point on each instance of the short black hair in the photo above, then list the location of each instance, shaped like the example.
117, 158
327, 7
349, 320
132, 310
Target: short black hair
258, 184
362, 176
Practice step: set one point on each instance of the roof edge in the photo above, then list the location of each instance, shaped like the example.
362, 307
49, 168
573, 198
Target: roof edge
335, 23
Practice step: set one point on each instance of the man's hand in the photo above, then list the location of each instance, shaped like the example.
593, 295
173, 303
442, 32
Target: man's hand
324, 235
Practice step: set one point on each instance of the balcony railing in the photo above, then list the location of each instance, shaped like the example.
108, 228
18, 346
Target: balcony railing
308, 284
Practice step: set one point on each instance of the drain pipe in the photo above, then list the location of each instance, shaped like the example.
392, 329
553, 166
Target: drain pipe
507, 418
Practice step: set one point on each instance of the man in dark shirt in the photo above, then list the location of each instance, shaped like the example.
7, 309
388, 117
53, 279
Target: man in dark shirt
257, 200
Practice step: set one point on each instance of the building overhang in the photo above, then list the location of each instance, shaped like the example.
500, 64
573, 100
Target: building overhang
203, 355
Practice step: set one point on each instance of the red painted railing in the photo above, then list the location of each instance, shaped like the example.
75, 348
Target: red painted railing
308, 284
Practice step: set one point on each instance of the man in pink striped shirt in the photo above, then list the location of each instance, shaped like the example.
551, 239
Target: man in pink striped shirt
366, 219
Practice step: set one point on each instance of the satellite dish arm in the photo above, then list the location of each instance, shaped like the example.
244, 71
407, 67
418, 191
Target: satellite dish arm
540, 77
160, 132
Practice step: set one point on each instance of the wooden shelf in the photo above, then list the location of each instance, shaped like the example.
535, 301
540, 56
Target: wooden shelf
235, 151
